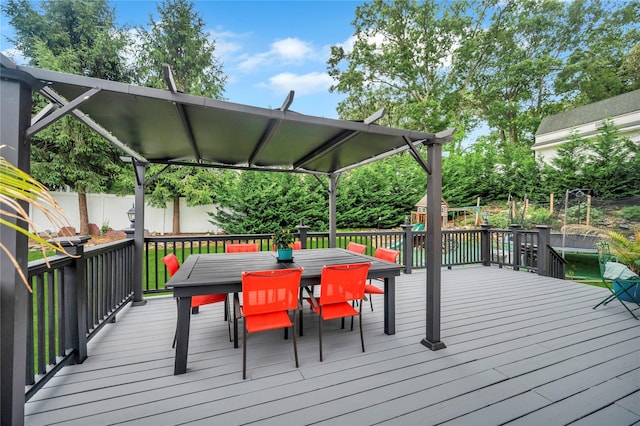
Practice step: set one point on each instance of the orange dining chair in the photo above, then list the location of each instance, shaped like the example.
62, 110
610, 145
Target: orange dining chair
267, 298
172, 264
356, 248
383, 253
340, 286
242, 248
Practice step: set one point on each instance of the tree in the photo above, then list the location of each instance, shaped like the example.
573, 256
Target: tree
608, 164
258, 202
401, 60
598, 66
380, 195
179, 40
78, 37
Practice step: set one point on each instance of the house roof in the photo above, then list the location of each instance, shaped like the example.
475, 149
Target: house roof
607, 108
163, 126
423, 202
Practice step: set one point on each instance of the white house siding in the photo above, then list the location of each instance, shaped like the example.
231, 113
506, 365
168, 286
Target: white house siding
111, 210
623, 111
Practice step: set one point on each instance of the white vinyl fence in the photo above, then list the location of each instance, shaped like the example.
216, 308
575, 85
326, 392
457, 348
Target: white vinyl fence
111, 210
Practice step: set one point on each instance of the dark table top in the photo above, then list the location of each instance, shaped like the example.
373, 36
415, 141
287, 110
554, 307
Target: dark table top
200, 272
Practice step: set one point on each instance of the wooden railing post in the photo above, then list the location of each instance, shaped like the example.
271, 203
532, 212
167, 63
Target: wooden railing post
76, 297
302, 232
408, 246
485, 244
517, 241
544, 238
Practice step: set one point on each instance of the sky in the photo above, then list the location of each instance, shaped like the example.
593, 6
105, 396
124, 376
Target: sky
267, 48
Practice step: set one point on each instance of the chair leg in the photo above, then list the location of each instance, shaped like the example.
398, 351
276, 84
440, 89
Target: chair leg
227, 316
361, 332
371, 302
236, 313
244, 353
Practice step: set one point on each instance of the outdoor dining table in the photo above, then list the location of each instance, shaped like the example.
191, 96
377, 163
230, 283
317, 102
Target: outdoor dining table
220, 273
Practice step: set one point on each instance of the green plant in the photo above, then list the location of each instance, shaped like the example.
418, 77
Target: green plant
16, 188
105, 227
626, 250
283, 238
541, 216
630, 213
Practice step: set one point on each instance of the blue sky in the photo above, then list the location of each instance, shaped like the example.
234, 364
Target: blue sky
267, 48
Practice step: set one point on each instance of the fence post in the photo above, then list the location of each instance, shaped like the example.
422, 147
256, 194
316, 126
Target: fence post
485, 244
76, 297
408, 246
515, 229
544, 238
302, 232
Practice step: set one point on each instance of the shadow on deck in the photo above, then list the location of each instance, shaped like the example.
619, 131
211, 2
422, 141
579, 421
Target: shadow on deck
521, 348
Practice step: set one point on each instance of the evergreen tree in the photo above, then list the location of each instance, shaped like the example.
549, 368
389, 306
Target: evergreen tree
77, 37
178, 38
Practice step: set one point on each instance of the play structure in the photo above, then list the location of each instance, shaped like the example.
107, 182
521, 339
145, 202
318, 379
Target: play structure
419, 216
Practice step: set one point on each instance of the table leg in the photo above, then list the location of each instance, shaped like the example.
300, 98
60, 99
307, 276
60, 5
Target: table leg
182, 333
235, 320
390, 305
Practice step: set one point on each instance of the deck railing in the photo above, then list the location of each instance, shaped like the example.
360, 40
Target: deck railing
74, 297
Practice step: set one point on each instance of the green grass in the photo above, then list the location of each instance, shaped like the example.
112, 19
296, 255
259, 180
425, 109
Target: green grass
582, 266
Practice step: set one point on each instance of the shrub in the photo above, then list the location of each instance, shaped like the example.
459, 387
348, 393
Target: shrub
630, 213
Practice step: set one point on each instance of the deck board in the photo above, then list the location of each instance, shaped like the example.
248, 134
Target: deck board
520, 348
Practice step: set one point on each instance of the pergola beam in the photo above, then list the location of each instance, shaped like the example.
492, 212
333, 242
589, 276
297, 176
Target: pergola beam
55, 116
186, 125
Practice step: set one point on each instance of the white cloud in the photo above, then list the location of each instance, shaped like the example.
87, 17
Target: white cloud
227, 43
291, 49
286, 51
303, 84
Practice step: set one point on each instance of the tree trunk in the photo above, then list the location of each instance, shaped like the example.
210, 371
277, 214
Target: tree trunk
84, 213
176, 216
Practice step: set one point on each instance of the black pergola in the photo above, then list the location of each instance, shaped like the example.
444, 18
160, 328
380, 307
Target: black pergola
172, 128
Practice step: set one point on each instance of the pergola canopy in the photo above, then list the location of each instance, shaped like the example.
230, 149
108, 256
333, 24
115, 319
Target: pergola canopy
165, 126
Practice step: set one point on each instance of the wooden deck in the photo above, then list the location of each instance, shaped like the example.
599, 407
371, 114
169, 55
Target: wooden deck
521, 349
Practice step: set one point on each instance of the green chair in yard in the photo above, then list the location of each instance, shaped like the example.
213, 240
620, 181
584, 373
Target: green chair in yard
623, 283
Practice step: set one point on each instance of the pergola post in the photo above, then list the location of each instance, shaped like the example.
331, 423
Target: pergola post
433, 244
138, 235
15, 104
333, 187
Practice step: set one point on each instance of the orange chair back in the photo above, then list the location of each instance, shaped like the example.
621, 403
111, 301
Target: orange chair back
172, 264
241, 248
387, 254
357, 248
270, 291
343, 283
297, 245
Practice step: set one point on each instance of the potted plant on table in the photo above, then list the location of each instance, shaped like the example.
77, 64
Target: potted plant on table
282, 239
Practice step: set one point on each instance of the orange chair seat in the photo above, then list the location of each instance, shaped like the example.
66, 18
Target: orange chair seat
267, 321
334, 310
206, 299
372, 289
